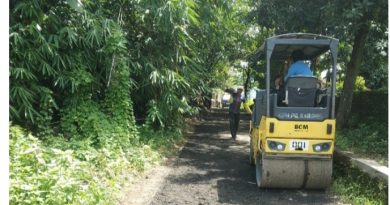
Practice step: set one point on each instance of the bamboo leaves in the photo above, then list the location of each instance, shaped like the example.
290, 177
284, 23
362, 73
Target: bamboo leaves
50, 52
172, 50
67, 35
76, 5
23, 74
78, 67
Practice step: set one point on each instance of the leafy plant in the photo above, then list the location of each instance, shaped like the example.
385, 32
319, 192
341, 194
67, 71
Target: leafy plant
360, 85
357, 187
77, 173
40, 175
366, 139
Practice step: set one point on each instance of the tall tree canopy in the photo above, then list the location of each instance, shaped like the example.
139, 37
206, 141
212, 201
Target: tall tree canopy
360, 25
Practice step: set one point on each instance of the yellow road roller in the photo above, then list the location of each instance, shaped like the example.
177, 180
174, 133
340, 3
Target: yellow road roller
292, 132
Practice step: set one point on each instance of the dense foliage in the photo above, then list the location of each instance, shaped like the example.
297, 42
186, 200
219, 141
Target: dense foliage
165, 53
69, 71
83, 72
56, 173
360, 25
105, 85
368, 132
369, 140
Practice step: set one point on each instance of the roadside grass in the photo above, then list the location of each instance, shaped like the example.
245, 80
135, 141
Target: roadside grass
365, 139
164, 142
54, 172
356, 187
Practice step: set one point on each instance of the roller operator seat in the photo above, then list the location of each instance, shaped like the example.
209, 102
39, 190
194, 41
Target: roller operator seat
301, 91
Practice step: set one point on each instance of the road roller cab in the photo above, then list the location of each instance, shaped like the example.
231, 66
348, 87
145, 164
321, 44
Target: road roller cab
292, 139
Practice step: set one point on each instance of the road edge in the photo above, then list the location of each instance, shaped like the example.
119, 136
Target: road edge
142, 189
371, 167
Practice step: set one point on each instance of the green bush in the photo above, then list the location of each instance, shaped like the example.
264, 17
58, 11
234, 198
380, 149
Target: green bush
86, 121
54, 173
357, 187
365, 139
40, 175
367, 132
370, 106
161, 140
360, 85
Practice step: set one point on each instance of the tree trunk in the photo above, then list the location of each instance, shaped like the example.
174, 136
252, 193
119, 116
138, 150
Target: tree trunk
345, 103
248, 74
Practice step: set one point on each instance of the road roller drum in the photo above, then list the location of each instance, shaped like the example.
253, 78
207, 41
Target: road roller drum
293, 173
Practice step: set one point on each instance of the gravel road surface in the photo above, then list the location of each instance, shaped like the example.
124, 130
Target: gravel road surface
214, 169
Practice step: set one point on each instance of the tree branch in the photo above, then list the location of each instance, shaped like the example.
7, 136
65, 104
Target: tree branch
112, 68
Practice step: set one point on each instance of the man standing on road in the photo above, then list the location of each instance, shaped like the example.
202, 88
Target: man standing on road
234, 112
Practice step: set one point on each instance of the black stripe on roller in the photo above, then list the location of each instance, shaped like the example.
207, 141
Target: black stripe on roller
305, 174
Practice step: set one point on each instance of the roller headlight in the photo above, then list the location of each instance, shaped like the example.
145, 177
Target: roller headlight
325, 146
272, 145
317, 148
278, 146
321, 147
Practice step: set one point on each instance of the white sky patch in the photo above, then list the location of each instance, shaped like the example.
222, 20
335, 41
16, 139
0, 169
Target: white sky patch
253, 31
324, 72
244, 64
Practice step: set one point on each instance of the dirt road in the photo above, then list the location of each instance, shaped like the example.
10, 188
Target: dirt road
214, 169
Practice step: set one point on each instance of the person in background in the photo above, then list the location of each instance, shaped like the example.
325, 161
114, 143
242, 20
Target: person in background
278, 82
279, 89
298, 67
234, 112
